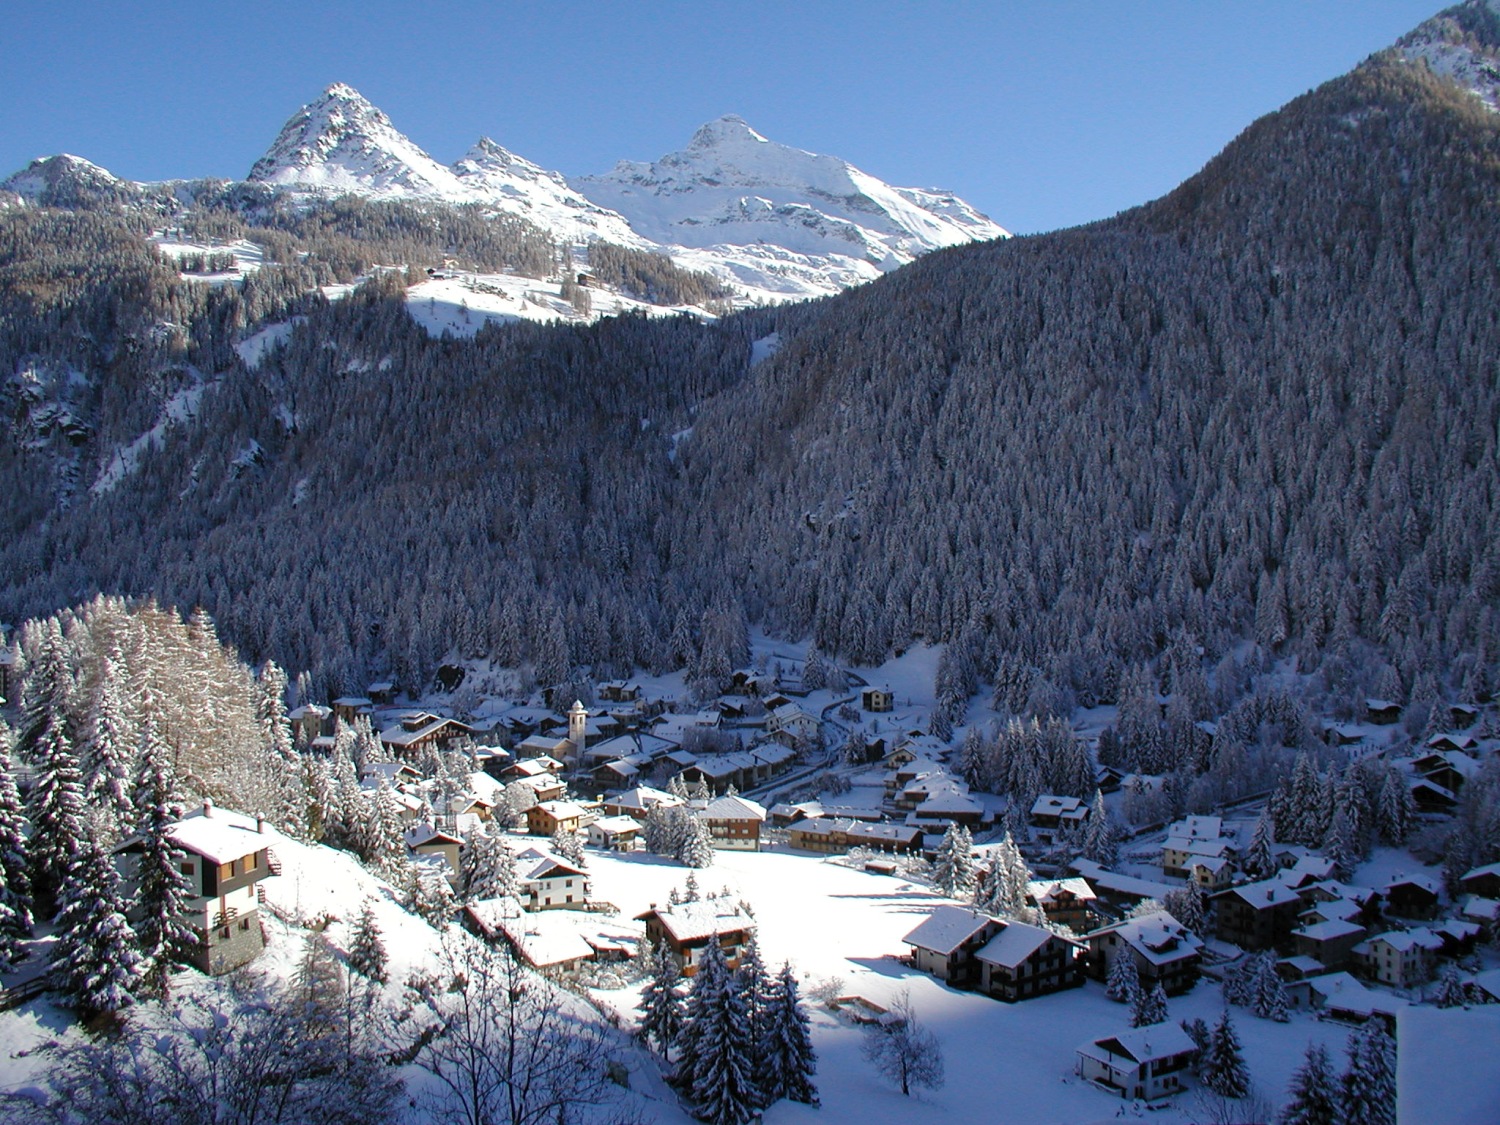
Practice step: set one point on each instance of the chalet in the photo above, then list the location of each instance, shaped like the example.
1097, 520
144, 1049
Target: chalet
1382, 712
493, 760
1211, 872
1065, 902
420, 730
1459, 936
944, 804
544, 786
836, 835
877, 699
1147, 1063
1412, 896
1450, 769
1330, 943
226, 855
1330, 899
549, 817
309, 721
1193, 837
1463, 715
1118, 889
394, 773
1023, 961
944, 945
614, 833
1338, 996
1399, 958
382, 693
1257, 915
1482, 881
620, 691
792, 722
1484, 911
553, 940
638, 802
1054, 816
619, 772
425, 840
1453, 742
1165, 952
687, 928
733, 823
787, 813
898, 757
549, 882
1430, 797
757, 685
349, 707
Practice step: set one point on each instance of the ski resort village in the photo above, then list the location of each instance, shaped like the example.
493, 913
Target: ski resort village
788, 889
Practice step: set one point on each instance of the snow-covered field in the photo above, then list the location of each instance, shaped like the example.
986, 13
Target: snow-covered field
1005, 1062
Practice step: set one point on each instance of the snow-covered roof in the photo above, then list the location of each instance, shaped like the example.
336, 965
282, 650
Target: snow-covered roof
1424, 882
733, 808
419, 835
1049, 804
1015, 943
1198, 827
642, 797
1479, 908
1330, 930
1144, 1044
221, 835
1158, 937
1045, 890
616, 824
1118, 882
1266, 893
539, 863
948, 927
692, 921
1405, 940
1343, 992
1480, 872
561, 810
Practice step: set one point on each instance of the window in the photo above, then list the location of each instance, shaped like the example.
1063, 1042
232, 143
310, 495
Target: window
187, 868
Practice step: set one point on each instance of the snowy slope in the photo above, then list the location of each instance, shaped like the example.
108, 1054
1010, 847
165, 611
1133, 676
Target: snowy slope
65, 180
1462, 45
733, 186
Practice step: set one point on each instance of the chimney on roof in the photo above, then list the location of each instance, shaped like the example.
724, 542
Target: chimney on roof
260, 824
208, 807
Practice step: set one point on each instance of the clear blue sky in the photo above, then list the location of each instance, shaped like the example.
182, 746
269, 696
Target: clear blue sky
1041, 114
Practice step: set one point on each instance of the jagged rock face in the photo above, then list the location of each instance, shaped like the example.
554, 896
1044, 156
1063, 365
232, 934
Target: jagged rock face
68, 181
1463, 44
342, 143
731, 185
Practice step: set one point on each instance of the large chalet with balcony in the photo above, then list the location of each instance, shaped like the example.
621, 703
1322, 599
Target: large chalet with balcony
225, 856
686, 929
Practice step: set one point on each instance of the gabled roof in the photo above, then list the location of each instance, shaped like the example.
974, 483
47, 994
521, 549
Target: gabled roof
561, 810
1159, 937
1262, 895
419, 835
733, 808
1018, 941
538, 863
948, 927
693, 921
1144, 1044
1046, 890
220, 835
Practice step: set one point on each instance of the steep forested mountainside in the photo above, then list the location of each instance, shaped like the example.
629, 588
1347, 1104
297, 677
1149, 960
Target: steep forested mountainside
1263, 407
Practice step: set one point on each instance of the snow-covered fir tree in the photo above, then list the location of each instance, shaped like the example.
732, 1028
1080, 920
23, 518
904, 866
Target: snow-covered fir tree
1004, 883
1123, 983
1312, 1096
377, 836
697, 849
94, 958
429, 894
1188, 906
1100, 843
1222, 1066
107, 755
367, 955
662, 1003
1450, 992
1148, 1006
953, 868
55, 802
717, 1070
1268, 998
787, 1059
488, 867
16, 907
1367, 1089
163, 892
569, 845
1394, 810
1257, 862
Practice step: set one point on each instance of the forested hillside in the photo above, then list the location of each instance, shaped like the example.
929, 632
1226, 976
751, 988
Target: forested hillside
1262, 408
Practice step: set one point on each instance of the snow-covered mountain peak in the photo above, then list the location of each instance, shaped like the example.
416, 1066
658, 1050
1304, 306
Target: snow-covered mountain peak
732, 186
343, 143
725, 130
66, 180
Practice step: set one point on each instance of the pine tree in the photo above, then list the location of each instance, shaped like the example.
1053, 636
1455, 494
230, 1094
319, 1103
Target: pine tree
720, 1078
367, 955
662, 1003
1340, 844
106, 753
1367, 1090
56, 812
1268, 998
378, 835
1186, 904
94, 956
1123, 982
1313, 1093
569, 845
1099, 840
163, 931
1223, 1066
16, 916
1450, 990
697, 844
1394, 809
1149, 1006
1257, 862
953, 869
753, 984
788, 1061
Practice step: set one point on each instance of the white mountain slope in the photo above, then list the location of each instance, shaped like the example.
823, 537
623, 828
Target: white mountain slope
1460, 44
732, 186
